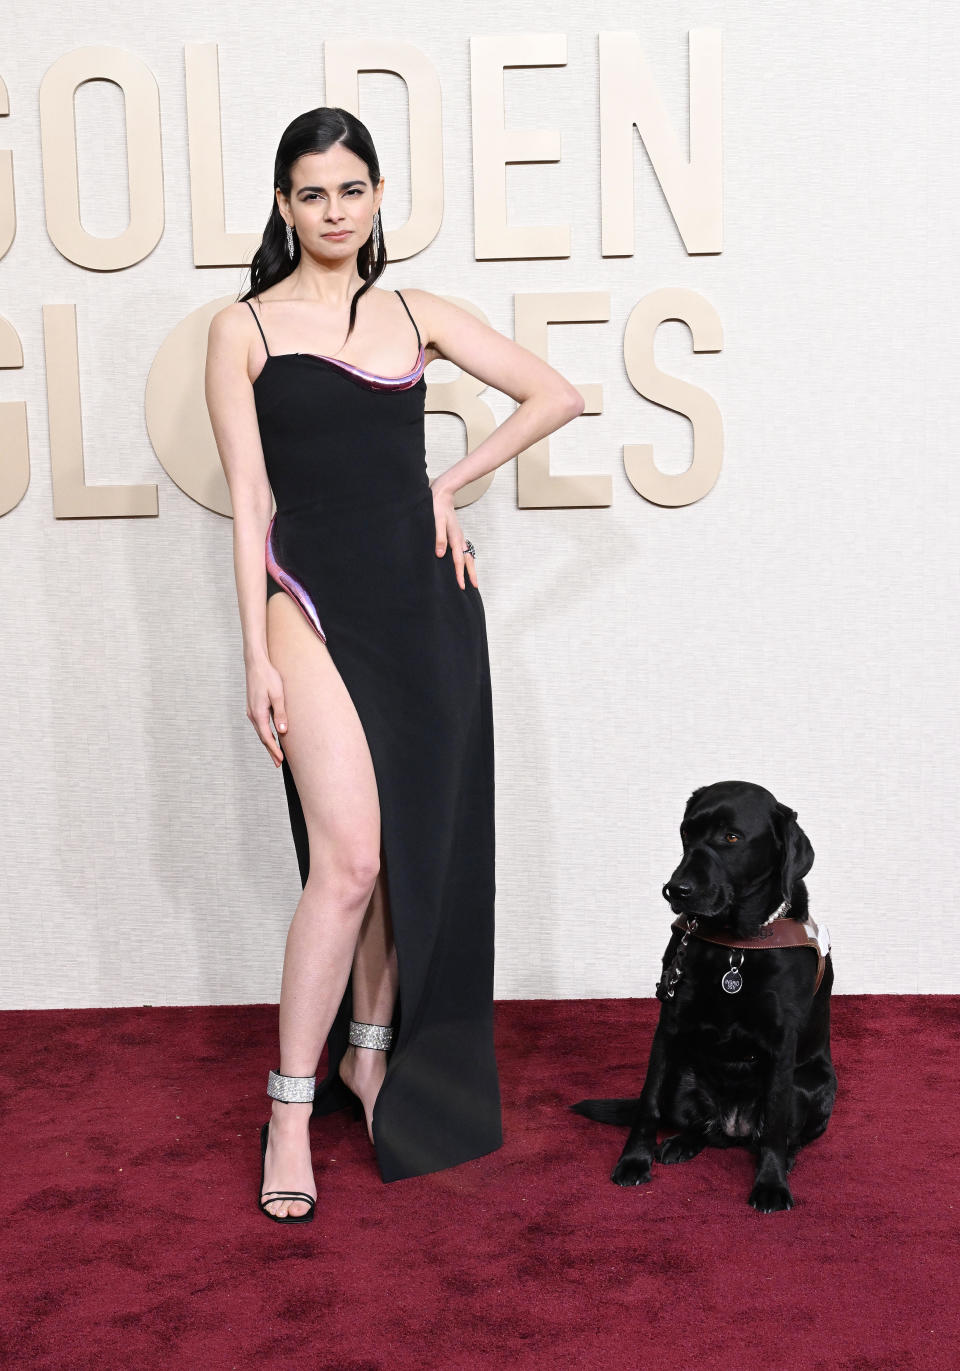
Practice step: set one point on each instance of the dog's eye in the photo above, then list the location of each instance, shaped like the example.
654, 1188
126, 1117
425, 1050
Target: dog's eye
732, 837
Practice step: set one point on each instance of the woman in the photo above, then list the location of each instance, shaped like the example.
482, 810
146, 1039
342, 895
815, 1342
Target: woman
364, 637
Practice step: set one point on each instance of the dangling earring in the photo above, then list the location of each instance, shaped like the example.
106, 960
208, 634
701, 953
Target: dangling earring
376, 235
290, 241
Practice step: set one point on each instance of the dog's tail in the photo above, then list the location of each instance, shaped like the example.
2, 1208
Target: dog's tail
607, 1111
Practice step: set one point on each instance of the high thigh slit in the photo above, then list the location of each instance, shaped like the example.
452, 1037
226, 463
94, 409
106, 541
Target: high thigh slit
352, 543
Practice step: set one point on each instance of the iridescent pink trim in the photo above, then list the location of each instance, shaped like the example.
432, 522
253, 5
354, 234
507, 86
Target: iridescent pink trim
291, 584
376, 382
367, 378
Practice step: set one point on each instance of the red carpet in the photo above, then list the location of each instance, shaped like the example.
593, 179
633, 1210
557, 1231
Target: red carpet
133, 1240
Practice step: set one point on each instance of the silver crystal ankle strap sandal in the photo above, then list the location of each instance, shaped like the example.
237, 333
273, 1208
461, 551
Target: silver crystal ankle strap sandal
376, 1035
290, 1090
371, 1035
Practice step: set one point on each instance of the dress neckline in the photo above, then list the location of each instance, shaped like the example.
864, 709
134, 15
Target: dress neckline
348, 366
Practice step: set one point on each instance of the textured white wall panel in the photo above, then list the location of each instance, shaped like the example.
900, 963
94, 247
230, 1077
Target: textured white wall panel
797, 627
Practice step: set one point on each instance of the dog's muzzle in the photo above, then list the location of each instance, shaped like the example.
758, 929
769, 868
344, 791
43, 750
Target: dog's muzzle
708, 902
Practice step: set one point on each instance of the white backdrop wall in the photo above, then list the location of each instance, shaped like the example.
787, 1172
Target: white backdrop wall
796, 627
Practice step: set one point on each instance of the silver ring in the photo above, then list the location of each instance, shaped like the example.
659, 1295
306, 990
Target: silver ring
470, 548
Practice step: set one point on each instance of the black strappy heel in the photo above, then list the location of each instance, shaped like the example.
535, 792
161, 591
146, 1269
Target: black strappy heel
291, 1090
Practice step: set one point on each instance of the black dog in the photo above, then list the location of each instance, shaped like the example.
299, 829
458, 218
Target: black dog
741, 1052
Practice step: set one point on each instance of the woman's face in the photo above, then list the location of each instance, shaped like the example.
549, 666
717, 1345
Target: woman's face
332, 202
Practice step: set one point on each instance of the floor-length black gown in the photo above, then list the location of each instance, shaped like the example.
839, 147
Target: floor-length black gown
352, 542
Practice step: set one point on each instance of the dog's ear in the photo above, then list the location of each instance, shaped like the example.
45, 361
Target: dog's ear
796, 850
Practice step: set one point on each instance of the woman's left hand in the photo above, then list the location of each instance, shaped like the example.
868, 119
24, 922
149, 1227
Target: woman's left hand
450, 534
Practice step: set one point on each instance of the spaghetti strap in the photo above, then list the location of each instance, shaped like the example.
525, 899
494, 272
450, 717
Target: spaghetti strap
412, 320
257, 322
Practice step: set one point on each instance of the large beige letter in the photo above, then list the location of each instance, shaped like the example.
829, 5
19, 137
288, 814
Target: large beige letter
178, 422
72, 497
694, 188
537, 488
58, 143
344, 60
8, 217
673, 302
14, 444
461, 397
213, 246
494, 147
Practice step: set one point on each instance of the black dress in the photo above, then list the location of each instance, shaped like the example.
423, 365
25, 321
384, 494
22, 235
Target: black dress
352, 542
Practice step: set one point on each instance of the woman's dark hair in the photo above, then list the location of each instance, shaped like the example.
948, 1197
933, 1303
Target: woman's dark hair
315, 131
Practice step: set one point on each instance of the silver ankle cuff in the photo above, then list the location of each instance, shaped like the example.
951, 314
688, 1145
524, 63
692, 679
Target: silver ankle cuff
291, 1089
371, 1035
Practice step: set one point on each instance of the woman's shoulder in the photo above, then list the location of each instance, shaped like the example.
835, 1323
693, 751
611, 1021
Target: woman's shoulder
414, 295
237, 309
421, 304
225, 322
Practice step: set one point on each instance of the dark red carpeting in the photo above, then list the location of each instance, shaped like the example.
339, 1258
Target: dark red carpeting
132, 1237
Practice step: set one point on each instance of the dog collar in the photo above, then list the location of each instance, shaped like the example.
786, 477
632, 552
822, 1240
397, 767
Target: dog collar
777, 931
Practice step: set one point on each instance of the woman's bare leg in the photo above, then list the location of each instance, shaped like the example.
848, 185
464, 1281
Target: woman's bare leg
374, 996
329, 758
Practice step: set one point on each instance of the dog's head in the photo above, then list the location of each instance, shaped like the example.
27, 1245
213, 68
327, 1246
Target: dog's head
742, 851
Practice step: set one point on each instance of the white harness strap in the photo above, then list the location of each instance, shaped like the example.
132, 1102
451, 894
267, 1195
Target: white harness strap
820, 935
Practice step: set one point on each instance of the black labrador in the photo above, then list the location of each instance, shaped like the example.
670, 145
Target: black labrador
741, 1052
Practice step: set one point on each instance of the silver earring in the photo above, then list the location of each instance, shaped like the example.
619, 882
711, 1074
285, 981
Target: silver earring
376, 234
290, 241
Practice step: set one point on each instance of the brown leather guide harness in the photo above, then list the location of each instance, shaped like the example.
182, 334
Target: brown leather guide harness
779, 932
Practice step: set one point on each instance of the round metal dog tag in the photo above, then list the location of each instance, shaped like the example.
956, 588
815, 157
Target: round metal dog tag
732, 981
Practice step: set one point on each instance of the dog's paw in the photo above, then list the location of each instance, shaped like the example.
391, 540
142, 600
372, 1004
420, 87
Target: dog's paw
768, 1197
631, 1171
679, 1148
